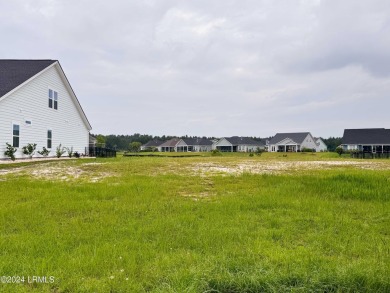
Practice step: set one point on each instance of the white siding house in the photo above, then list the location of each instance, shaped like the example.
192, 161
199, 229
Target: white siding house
237, 144
38, 105
292, 142
321, 146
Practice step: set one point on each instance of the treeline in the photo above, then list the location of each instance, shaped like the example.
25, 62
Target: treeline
332, 143
122, 142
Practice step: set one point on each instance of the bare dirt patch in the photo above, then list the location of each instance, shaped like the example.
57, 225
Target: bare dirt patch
269, 167
58, 171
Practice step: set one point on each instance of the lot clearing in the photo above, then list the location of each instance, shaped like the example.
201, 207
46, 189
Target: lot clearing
234, 223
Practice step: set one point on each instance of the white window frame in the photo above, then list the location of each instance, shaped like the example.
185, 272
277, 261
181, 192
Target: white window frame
12, 133
47, 138
53, 100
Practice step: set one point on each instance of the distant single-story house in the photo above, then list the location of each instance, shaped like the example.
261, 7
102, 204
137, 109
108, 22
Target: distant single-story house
198, 144
174, 145
292, 142
321, 145
152, 145
370, 140
237, 144
38, 106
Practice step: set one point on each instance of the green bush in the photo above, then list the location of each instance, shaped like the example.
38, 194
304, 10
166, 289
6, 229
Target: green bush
60, 151
307, 150
29, 149
44, 152
259, 151
216, 153
339, 150
10, 151
69, 151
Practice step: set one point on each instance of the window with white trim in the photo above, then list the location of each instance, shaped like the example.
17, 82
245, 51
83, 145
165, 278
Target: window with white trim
15, 135
53, 99
49, 139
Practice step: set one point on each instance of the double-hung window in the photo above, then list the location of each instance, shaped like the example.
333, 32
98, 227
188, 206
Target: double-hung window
53, 99
15, 135
49, 138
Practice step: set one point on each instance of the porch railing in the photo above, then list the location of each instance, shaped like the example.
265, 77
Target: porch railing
100, 152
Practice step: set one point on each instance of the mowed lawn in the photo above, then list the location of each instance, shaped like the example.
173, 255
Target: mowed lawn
292, 223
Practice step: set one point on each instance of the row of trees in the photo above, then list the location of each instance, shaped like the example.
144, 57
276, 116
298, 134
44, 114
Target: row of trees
332, 143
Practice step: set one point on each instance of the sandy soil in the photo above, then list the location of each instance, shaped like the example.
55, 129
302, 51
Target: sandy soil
57, 170
7, 161
270, 167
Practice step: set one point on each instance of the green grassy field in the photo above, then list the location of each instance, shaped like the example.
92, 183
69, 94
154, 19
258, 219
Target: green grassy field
305, 222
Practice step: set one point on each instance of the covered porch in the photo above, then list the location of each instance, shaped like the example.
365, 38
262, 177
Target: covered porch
378, 148
289, 148
167, 149
223, 148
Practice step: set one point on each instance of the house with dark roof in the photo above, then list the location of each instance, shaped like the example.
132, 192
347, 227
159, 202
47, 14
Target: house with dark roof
174, 145
153, 144
368, 140
237, 144
38, 105
292, 142
198, 144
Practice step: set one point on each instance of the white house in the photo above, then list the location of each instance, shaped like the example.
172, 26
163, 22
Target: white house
237, 144
367, 140
321, 146
198, 144
174, 145
38, 105
292, 142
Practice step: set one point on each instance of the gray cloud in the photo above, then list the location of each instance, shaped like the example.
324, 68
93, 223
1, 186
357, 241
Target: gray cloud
212, 68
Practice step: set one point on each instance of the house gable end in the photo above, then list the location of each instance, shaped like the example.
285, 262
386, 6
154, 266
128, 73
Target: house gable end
65, 82
286, 141
223, 142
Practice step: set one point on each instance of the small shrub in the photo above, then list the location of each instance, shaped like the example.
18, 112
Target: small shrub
29, 149
44, 152
60, 151
307, 150
76, 155
216, 153
10, 151
259, 151
69, 151
251, 155
339, 150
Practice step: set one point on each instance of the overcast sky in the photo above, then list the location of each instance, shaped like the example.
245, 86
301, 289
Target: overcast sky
213, 68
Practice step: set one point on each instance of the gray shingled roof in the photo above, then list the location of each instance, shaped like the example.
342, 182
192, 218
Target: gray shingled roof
366, 136
153, 143
297, 137
239, 140
197, 141
170, 143
15, 72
